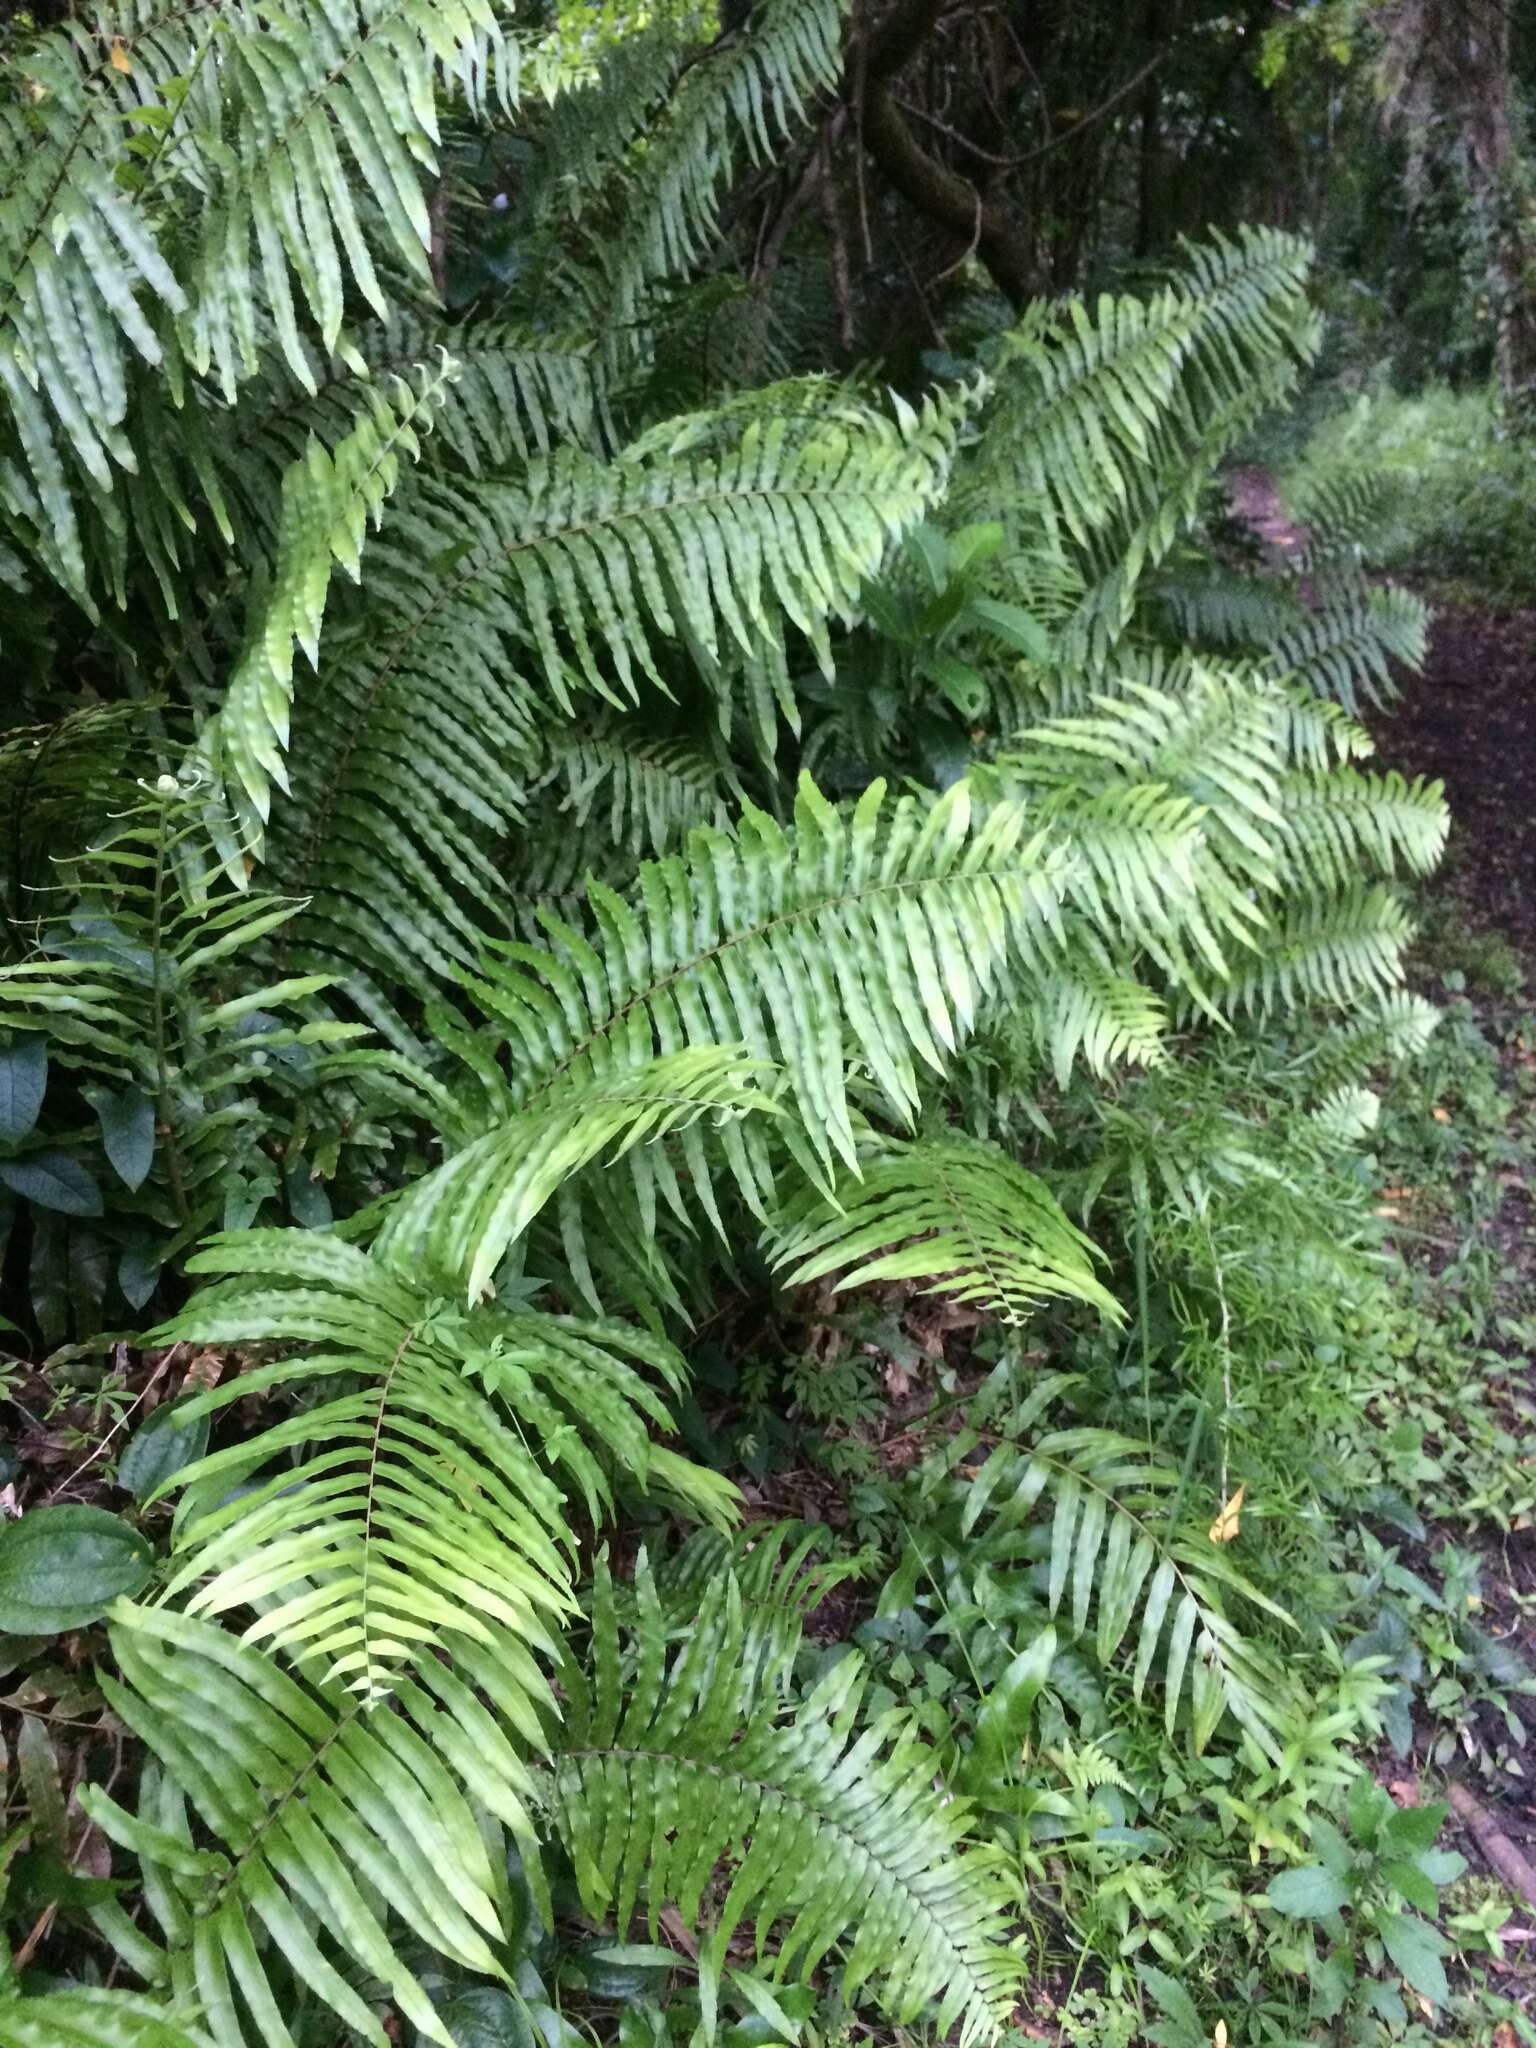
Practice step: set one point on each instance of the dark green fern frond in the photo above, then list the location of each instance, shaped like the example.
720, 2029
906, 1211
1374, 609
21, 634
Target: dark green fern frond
830, 1829
647, 793
1346, 651
750, 92
1113, 1555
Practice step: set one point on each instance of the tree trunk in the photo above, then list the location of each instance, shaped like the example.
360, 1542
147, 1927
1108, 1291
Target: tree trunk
1448, 62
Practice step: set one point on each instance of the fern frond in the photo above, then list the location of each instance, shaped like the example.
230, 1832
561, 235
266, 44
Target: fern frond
752, 91
830, 1831
876, 933
1346, 651
1114, 1555
332, 102
458, 1221
772, 1564
1347, 1114
329, 500
1106, 1017
302, 1789
580, 575
85, 2017
953, 1213
84, 287
648, 793
1112, 422
1333, 950
1338, 826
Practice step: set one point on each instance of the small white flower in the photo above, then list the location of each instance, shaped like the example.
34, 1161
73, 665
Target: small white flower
167, 785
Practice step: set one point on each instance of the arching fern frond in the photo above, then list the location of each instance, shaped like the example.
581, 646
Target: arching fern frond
1114, 1555
332, 102
87, 2017
955, 1214
873, 934
309, 1796
329, 500
648, 794
502, 601
458, 1221
1338, 826
1334, 950
831, 1831
1346, 650
749, 92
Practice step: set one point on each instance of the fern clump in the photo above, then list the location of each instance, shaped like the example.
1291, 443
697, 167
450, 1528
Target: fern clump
581, 889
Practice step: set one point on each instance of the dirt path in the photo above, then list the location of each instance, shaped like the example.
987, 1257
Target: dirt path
1471, 720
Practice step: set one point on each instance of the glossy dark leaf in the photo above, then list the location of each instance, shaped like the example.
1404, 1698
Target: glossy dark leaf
127, 1130
23, 1082
138, 1274
159, 1448
53, 1181
61, 1568
487, 2017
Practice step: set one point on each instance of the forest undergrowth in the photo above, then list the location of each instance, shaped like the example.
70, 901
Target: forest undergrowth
763, 1236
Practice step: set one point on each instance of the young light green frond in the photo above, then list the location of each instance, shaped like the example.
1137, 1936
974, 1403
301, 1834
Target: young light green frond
458, 1222
329, 500
830, 1829
86, 2017
956, 1214
1396, 1027
1347, 1115
412, 1555
329, 1819
1115, 1556
873, 934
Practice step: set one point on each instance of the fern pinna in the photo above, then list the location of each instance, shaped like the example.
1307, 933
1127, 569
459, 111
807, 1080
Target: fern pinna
602, 895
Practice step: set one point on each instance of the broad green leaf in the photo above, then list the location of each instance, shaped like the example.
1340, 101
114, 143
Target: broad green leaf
159, 1448
23, 1082
1416, 1948
127, 1130
1310, 1892
1409, 1830
53, 1181
1410, 1883
61, 1568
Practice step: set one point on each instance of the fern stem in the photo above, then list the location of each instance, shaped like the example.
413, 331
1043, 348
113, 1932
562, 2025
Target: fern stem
157, 1013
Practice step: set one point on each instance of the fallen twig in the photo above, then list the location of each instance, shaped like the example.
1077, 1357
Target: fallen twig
1499, 1852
